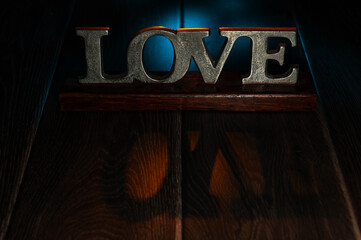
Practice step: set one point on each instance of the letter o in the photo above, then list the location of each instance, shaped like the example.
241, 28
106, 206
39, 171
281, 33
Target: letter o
135, 63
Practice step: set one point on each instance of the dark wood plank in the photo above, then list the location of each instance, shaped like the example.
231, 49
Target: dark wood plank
31, 38
191, 93
260, 176
101, 175
333, 51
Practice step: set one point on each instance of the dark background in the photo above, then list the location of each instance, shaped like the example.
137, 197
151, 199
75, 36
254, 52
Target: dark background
173, 175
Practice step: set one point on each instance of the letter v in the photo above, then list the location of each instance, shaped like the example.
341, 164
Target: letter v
193, 39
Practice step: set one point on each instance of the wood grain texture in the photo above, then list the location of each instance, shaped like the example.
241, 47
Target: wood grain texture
101, 175
337, 78
117, 175
260, 176
191, 93
31, 38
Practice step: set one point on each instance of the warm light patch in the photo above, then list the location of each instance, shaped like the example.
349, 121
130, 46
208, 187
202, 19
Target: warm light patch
257, 29
248, 164
223, 183
193, 137
192, 29
147, 166
156, 28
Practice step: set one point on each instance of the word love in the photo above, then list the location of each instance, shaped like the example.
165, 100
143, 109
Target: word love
189, 43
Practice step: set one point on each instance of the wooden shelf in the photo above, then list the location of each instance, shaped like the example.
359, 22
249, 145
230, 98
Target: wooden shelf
190, 93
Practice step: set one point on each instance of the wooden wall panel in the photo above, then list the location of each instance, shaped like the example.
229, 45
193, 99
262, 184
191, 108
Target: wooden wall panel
31, 39
333, 52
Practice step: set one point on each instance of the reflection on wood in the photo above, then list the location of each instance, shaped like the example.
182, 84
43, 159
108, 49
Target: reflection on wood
114, 175
118, 175
248, 164
193, 137
260, 176
223, 185
147, 165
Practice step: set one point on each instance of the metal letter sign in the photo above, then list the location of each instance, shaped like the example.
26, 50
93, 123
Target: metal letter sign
189, 43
